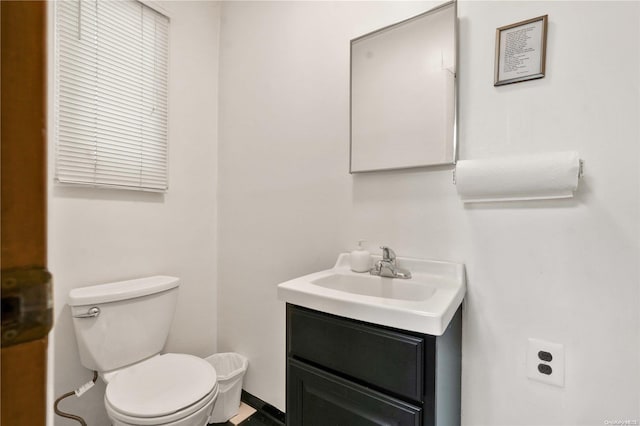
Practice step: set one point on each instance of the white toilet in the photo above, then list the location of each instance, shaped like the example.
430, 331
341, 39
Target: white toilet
121, 328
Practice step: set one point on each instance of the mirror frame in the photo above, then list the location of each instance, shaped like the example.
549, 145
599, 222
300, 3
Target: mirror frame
454, 141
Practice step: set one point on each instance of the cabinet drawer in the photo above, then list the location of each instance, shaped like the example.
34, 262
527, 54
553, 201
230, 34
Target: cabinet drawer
386, 359
317, 398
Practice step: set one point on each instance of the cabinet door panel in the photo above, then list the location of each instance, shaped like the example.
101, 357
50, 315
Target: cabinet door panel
318, 398
359, 351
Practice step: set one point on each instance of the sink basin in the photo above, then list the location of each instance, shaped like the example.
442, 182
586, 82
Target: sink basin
370, 285
425, 303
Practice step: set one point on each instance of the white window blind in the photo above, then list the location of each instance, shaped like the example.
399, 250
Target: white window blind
111, 96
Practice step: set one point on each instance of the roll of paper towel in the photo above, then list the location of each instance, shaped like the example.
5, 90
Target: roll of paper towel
531, 177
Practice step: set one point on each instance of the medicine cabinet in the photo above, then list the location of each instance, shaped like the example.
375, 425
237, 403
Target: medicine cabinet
403, 93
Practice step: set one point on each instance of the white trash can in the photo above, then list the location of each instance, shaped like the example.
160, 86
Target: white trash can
230, 368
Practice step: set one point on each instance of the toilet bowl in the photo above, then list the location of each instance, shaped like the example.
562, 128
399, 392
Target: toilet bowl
170, 389
121, 328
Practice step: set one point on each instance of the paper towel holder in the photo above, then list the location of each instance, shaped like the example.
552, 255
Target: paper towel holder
580, 170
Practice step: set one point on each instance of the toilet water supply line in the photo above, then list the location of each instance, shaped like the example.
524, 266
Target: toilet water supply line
78, 392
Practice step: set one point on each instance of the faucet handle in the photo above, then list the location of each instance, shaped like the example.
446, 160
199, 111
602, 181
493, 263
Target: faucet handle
388, 254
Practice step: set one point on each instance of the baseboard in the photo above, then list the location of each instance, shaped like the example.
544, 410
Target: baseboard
264, 407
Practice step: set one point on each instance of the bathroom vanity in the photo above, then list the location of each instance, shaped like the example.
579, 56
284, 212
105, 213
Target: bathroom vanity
364, 349
347, 372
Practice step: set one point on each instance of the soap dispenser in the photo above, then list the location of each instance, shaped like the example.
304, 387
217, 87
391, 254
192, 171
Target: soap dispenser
360, 259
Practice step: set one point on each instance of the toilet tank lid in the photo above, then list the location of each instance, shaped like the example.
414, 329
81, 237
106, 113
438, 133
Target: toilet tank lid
121, 290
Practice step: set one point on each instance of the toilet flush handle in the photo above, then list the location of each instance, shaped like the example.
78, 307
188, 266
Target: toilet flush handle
91, 313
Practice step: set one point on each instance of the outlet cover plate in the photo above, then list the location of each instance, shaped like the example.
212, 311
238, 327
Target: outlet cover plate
556, 350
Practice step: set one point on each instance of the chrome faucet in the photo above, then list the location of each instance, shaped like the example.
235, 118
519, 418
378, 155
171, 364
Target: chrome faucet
386, 267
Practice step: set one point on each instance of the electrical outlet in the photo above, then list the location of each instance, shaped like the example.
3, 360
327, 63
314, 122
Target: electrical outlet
545, 362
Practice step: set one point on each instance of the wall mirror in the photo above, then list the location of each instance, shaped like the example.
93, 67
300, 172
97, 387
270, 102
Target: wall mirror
403, 93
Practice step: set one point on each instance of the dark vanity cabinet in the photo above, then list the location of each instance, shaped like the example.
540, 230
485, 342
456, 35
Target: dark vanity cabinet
343, 372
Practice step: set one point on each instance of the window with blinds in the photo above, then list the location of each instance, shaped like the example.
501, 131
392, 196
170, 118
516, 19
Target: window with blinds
111, 94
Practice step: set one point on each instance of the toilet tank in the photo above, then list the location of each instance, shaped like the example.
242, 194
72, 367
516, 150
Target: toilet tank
133, 321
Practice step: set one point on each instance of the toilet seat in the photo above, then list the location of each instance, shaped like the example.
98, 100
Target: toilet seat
162, 389
179, 418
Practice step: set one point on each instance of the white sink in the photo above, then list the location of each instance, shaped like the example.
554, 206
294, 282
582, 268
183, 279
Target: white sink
370, 285
425, 303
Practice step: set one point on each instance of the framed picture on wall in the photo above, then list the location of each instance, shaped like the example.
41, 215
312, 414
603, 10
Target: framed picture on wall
521, 51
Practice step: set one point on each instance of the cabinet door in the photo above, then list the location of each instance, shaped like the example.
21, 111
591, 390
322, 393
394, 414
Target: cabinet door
388, 360
317, 398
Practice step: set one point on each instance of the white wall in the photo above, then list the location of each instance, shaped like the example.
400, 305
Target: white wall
99, 235
286, 200
564, 271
